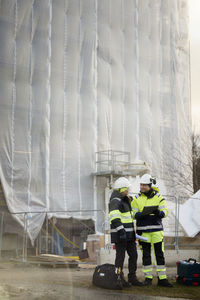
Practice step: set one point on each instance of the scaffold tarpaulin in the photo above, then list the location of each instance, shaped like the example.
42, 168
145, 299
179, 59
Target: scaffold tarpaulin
80, 76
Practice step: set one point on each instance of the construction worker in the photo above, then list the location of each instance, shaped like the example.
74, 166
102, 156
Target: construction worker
122, 230
149, 207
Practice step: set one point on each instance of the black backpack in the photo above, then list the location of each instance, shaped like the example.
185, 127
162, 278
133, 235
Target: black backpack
104, 276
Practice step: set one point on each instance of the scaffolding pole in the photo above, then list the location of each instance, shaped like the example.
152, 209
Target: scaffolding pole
1, 232
25, 240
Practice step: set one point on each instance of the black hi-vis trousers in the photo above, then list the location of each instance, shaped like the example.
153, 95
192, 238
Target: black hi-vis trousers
159, 254
130, 247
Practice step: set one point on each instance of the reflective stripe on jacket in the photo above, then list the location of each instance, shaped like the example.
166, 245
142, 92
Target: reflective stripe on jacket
120, 216
151, 222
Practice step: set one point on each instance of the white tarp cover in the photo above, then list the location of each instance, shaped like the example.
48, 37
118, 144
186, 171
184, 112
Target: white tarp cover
79, 76
189, 215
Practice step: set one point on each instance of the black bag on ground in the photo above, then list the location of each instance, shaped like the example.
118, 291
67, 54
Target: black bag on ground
104, 276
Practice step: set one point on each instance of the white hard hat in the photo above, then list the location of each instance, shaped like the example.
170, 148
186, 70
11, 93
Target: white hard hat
122, 182
147, 179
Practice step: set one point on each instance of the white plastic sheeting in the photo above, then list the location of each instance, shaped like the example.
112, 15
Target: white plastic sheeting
79, 76
189, 213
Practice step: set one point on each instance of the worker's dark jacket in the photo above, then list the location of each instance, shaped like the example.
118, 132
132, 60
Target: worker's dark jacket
120, 215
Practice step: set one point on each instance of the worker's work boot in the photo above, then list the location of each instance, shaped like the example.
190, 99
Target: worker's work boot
135, 281
148, 281
124, 282
164, 282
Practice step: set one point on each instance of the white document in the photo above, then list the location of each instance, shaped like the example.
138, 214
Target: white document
142, 238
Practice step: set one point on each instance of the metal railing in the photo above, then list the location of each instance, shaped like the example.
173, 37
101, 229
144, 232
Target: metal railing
45, 240
111, 160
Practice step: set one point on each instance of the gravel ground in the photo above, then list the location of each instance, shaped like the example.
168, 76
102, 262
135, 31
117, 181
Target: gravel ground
18, 281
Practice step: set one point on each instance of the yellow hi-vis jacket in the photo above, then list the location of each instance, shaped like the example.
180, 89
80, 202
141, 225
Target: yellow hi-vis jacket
153, 221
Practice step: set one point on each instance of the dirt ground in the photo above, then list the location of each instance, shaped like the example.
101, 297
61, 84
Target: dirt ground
19, 281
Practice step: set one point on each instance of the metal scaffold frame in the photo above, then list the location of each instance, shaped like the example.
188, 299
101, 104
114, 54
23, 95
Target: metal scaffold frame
117, 163
46, 236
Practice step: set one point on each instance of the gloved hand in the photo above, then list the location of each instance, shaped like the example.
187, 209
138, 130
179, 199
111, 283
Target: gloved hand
122, 235
139, 215
159, 213
156, 212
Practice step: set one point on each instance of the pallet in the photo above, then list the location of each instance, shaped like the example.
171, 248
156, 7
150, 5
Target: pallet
55, 261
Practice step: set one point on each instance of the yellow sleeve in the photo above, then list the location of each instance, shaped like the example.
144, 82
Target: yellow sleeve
163, 205
134, 206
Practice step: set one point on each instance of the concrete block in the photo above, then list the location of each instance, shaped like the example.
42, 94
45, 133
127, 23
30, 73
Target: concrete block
171, 256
